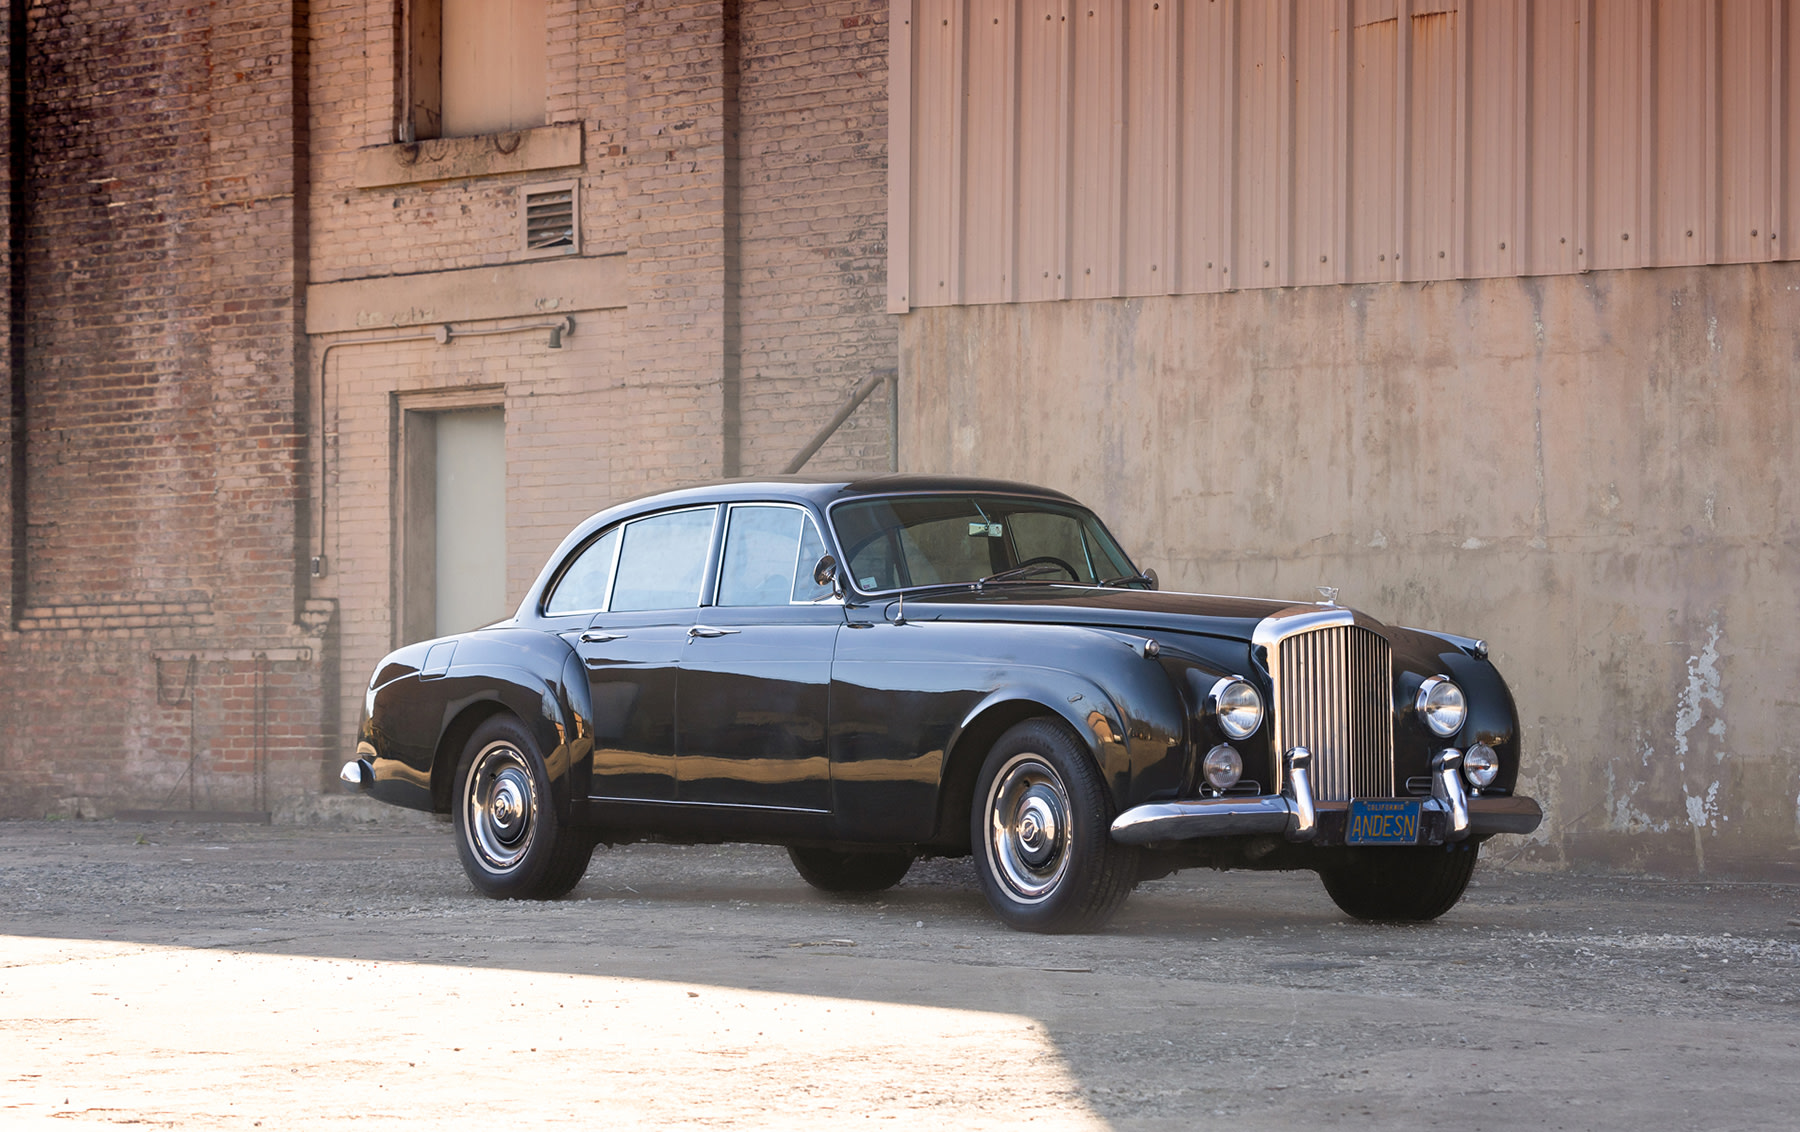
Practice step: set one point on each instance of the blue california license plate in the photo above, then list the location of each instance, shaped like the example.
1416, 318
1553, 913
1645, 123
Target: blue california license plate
1383, 822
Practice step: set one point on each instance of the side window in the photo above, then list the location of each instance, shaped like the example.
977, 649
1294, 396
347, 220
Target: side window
584, 584
812, 548
663, 560
761, 546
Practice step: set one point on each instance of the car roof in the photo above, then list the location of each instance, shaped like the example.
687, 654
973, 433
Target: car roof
822, 492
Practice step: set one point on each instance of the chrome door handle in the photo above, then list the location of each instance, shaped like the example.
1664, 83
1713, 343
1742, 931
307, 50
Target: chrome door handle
709, 631
601, 636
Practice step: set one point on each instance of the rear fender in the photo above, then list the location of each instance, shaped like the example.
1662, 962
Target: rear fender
532, 676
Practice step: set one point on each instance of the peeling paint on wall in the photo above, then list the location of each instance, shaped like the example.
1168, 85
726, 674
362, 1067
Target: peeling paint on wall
1703, 689
1624, 813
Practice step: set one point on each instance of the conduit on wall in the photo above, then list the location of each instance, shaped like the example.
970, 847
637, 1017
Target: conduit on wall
443, 334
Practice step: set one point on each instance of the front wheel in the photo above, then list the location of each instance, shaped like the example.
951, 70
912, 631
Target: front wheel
1041, 830
1403, 885
512, 842
830, 871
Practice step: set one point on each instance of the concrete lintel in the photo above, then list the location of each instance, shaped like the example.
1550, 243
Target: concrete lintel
488, 155
537, 287
280, 655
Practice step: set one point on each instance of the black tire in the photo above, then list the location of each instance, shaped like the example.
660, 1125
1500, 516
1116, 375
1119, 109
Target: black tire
830, 871
1401, 885
513, 843
1041, 831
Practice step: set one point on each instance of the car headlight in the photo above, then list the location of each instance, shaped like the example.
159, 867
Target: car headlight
1238, 705
1480, 765
1442, 706
1222, 767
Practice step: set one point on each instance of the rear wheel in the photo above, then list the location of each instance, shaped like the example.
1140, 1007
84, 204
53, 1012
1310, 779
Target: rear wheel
512, 842
830, 871
1407, 885
1041, 830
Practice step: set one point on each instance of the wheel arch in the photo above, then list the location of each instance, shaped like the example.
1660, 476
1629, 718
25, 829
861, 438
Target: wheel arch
1077, 704
559, 729
449, 749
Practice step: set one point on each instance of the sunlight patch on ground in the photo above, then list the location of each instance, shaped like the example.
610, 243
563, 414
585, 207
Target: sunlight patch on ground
96, 1033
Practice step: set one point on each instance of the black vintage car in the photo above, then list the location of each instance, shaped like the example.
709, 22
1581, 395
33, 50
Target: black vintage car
907, 666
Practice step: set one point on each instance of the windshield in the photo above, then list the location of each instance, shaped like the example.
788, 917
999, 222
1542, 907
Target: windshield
928, 540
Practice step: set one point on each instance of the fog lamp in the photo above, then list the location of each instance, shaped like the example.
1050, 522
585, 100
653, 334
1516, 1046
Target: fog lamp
1223, 767
1480, 765
1238, 705
1441, 705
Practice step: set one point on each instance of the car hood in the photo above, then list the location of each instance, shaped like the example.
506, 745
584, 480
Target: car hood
1152, 611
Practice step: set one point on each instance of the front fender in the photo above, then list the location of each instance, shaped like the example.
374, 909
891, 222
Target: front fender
1115, 697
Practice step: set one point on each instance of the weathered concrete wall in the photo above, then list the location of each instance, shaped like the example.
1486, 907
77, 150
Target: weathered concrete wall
1596, 473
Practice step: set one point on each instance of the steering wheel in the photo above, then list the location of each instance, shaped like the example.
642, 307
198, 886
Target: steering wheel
1052, 560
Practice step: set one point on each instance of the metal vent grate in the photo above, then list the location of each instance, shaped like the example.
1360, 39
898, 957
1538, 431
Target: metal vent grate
550, 219
1334, 696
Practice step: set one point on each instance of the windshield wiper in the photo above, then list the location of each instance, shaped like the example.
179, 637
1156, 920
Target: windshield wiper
1019, 573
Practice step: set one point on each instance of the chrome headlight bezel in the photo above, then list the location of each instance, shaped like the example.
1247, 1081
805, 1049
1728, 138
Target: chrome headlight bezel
1441, 706
1237, 705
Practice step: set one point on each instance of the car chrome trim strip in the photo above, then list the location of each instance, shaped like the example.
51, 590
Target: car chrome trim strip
652, 803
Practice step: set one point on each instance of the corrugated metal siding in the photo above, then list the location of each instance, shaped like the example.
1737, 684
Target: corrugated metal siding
1094, 148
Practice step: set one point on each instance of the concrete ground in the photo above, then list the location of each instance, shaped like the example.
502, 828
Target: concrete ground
242, 977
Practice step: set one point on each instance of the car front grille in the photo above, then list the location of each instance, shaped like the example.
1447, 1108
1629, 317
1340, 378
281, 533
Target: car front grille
1334, 696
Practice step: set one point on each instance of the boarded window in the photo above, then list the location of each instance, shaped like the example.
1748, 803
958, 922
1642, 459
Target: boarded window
475, 66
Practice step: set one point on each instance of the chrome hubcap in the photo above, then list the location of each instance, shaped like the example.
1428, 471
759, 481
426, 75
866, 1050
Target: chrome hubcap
1029, 835
500, 806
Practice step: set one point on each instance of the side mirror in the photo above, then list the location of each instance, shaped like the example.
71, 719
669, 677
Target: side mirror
1150, 576
825, 573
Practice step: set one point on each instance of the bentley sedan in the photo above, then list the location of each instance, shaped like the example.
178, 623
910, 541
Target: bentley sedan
875, 671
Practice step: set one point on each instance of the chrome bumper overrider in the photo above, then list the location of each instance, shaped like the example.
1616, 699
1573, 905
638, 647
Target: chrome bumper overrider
357, 774
1293, 814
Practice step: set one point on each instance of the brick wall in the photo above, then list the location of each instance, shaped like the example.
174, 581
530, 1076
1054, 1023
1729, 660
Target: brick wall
156, 650
735, 154
188, 442
813, 205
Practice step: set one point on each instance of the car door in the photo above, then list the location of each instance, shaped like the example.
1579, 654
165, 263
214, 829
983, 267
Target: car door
632, 651
754, 693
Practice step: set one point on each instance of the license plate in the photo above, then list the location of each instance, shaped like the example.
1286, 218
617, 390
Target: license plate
1383, 822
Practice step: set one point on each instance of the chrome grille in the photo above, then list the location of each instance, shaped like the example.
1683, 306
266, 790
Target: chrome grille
1334, 696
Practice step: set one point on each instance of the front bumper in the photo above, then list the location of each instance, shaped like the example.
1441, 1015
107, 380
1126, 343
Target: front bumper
1450, 814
